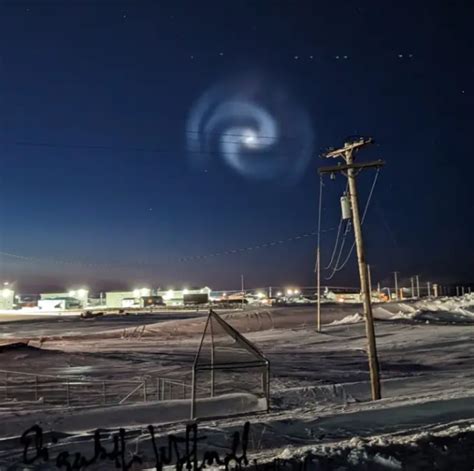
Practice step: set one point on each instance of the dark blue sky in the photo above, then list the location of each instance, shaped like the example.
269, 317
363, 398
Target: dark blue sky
95, 164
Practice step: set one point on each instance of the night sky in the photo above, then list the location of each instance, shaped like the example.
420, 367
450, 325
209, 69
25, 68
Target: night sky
113, 169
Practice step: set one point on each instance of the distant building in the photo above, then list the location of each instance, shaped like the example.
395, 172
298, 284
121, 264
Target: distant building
80, 295
115, 299
60, 303
180, 297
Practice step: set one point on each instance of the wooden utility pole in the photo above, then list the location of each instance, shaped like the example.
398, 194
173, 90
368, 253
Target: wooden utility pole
395, 275
347, 153
369, 274
318, 281
318, 259
243, 292
417, 286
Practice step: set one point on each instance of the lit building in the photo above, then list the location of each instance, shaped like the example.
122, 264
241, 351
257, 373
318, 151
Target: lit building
180, 297
74, 298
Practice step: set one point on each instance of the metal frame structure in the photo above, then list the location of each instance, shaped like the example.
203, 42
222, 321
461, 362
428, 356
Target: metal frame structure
260, 360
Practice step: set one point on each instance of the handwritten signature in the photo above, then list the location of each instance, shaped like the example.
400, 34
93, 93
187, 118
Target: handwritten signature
179, 451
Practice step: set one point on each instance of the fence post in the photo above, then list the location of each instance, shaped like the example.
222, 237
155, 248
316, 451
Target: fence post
193, 393
212, 358
267, 384
67, 392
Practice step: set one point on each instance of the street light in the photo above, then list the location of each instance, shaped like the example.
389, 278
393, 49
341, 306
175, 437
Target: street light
140, 292
6, 293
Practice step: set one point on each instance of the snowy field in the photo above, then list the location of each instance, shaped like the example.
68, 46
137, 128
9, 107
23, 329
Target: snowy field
320, 413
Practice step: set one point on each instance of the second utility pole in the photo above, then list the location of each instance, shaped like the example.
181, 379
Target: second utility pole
346, 152
397, 295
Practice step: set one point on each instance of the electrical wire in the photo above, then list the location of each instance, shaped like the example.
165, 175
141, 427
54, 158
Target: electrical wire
137, 149
255, 247
338, 267
336, 242
240, 138
343, 243
150, 264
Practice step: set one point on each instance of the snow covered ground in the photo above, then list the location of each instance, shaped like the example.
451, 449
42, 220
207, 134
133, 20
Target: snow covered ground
321, 410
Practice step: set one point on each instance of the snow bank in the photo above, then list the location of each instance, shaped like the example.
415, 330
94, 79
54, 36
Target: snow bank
442, 310
443, 447
351, 319
305, 396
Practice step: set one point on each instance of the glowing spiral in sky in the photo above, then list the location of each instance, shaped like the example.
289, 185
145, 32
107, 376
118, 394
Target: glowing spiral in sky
254, 126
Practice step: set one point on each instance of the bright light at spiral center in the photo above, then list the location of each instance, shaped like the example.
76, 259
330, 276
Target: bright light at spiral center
250, 139
254, 126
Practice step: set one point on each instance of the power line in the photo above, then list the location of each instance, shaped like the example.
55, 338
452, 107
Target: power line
256, 247
346, 231
336, 243
257, 136
151, 150
338, 267
362, 221
241, 138
264, 245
